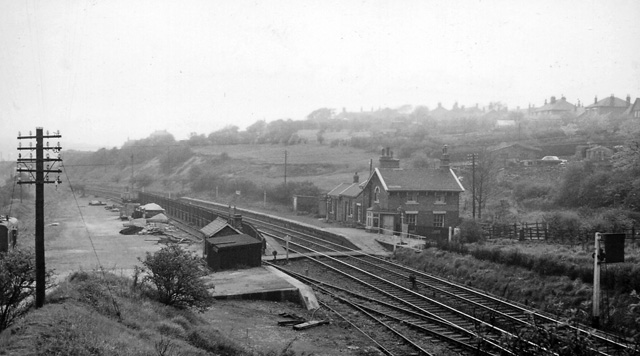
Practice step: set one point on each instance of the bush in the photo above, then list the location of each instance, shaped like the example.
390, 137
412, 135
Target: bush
470, 232
17, 285
176, 275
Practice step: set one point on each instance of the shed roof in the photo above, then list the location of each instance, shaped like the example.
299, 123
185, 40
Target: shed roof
419, 180
233, 241
212, 228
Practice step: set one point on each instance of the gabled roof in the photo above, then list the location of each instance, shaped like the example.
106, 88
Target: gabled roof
559, 105
215, 226
505, 145
633, 107
609, 102
346, 190
443, 180
599, 148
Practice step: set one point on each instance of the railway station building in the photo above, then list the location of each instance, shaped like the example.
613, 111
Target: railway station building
393, 200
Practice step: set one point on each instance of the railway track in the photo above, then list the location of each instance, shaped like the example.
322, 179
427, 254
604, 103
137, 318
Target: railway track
437, 309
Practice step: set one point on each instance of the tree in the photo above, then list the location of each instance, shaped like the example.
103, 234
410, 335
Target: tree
485, 180
17, 285
177, 277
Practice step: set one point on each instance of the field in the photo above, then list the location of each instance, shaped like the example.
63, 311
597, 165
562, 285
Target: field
325, 166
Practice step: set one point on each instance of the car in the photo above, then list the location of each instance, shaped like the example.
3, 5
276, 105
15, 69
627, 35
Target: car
551, 160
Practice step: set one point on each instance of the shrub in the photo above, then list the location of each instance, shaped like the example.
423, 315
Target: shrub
17, 285
176, 275
470, 231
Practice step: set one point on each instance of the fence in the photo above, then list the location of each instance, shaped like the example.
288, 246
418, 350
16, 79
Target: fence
543, 231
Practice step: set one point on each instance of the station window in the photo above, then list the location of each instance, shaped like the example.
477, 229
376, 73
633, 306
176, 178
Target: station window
376, 195
440, 198
438, 220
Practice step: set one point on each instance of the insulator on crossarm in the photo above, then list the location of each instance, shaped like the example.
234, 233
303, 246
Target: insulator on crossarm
19, 155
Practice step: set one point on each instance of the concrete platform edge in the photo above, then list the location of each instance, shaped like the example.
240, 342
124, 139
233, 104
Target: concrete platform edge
307, 296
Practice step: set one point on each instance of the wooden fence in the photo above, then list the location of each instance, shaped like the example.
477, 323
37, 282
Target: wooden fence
545, 232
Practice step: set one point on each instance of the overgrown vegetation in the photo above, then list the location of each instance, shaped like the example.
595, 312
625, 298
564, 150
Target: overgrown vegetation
91, 313
17, 285
176, 275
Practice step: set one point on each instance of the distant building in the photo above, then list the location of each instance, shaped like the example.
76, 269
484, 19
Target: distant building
598, 154
633, 110
555, 107
514, 153
610, 105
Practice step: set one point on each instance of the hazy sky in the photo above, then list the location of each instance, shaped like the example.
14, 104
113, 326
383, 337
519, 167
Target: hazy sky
102, 71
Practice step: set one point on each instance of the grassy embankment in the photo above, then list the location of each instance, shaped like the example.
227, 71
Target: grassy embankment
91, 315
550, 278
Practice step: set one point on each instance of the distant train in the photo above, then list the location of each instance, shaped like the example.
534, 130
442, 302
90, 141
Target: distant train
8, 233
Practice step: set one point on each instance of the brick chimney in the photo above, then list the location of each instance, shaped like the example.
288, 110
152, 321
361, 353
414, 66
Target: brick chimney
387, 160
553, 100
356, 178
237, 221
595, 101
628, 99
444, 161
612, 101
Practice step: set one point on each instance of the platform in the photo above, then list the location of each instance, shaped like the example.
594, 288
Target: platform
262, 283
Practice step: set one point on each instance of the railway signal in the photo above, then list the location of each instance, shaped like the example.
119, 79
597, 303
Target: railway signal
613, 252
40, 178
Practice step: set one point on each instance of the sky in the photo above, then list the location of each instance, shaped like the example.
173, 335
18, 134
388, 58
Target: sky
104, 71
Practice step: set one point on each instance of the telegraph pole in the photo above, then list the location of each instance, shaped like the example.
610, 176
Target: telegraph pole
285, 167
41, 178
473, 157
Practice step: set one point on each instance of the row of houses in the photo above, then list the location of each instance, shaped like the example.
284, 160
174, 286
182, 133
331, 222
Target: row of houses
553, 107
394, 200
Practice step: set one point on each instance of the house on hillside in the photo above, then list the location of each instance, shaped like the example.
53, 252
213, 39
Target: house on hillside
610, 105
514, 153
440, 112
633, 110
598, 153
555, 107
424, 202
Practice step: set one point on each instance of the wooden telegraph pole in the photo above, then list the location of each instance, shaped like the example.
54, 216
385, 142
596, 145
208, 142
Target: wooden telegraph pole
473, 157
41, 177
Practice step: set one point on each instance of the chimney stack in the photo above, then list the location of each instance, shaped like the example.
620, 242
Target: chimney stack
553, 100
628, 99
237, 221
387, 160
356, 178
595, 101
444, 161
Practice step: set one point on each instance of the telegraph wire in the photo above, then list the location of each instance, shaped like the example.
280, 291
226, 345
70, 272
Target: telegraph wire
104, 276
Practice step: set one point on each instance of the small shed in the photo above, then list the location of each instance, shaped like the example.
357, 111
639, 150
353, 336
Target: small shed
598, 153
233, 251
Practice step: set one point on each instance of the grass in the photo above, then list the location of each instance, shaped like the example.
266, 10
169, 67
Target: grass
89, 314
555, 290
